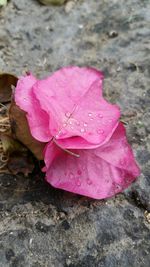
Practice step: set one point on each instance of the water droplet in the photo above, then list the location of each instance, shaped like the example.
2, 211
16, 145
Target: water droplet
79, 172
122, 162
57, 136
64, 124
89, 182
62, 132
100, 116
82, 130
85, 124
91, 119
71, 175
67, 114
78, 182
100, 131
90, 114
70, 122
77, 123
83, 168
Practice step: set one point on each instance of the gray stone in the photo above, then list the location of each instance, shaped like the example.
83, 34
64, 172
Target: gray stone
44, 227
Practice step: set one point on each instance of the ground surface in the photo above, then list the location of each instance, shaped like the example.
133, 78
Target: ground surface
41, 226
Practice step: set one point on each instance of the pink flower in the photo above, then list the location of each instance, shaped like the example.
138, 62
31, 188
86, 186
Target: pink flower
87, 151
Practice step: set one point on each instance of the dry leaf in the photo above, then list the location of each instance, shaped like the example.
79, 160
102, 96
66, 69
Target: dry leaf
17, 158
6, 81
21, 131
20, 162
10, 145
14, 156
52, 2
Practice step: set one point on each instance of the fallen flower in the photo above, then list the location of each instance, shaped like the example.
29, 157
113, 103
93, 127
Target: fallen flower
87, 151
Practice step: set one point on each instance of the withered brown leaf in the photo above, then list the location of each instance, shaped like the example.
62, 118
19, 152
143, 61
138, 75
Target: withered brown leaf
18, 157
21, 131
6, 82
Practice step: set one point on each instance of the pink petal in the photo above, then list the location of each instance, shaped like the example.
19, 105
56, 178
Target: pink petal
97, 173
119, 147
73, 98
37, 118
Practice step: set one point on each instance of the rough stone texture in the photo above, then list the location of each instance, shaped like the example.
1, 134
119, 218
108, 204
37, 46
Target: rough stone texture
44, 227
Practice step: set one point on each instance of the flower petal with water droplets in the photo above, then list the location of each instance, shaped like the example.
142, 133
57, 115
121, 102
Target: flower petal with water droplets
100, 177
75, 94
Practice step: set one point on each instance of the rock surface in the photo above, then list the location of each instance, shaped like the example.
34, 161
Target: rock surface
44, 227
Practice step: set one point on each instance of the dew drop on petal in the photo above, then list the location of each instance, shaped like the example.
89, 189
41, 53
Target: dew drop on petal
91, 119
77, 123
82, 130
78, 182
70, 122
62, 132
83, 168
85, 124
100, 131
79, 172
123, 162
100, 116
67, 114
89, 114
89, 182
64, 124
110, 120
71, 175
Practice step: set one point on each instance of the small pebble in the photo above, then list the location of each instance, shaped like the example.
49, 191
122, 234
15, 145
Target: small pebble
112, 34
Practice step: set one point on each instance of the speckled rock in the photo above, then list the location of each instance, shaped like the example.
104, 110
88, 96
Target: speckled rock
44, 227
